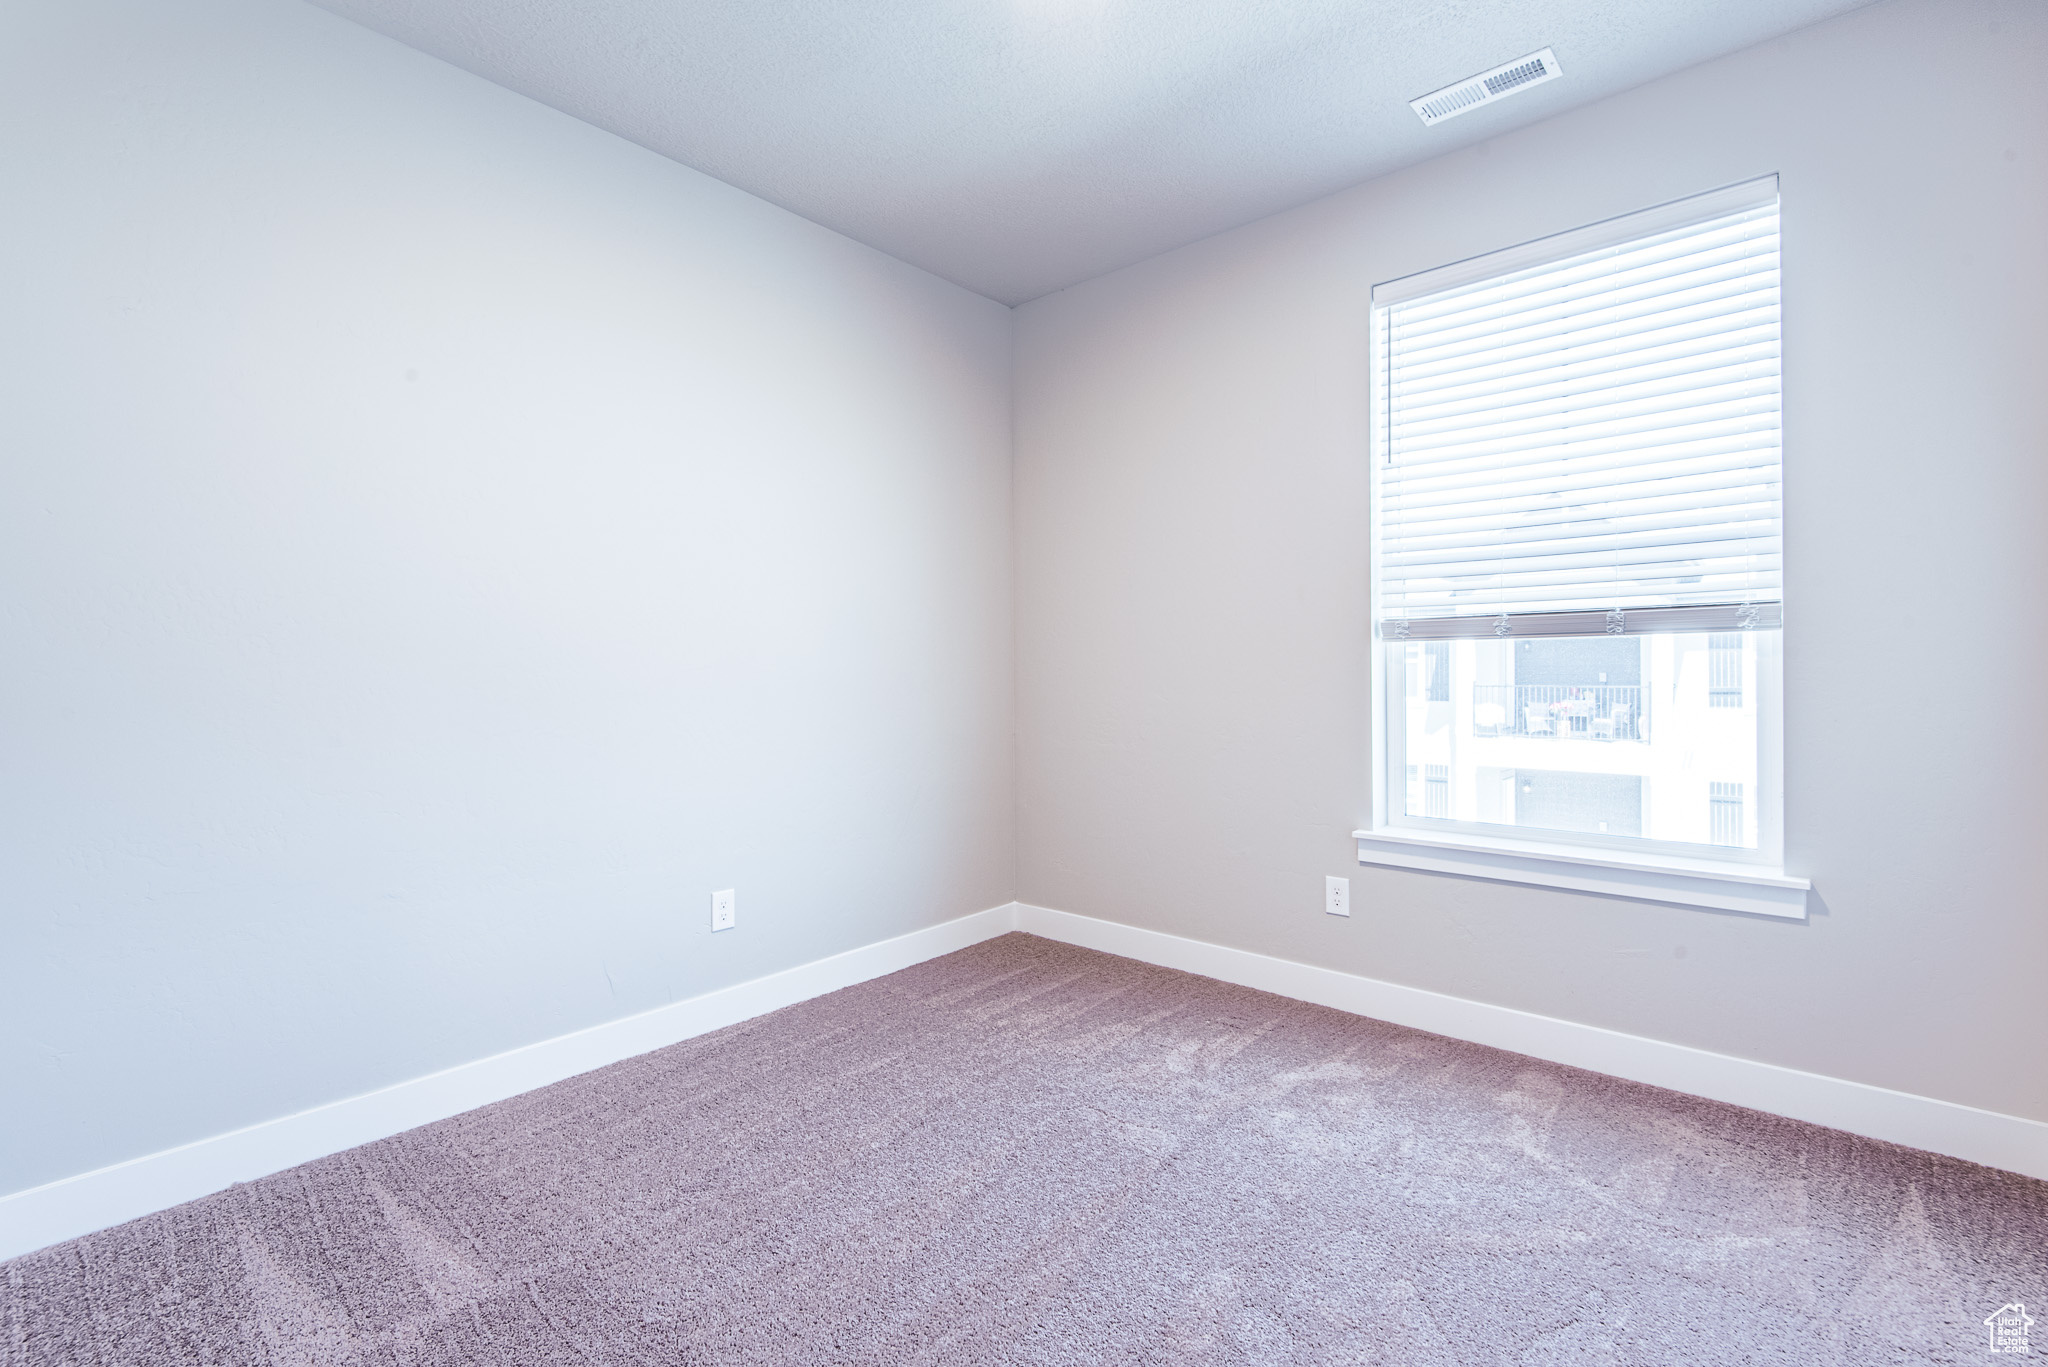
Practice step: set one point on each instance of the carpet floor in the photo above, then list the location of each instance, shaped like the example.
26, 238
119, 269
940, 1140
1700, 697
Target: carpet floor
1027, 1153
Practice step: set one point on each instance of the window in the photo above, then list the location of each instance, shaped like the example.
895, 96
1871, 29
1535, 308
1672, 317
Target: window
1576, 538
1724, 669
1436, 793
1725, 812
1429, 789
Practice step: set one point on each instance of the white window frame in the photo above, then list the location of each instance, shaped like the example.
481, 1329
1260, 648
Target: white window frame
1715, 877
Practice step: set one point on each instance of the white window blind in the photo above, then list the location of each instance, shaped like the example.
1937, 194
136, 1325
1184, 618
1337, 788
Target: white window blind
1581, 435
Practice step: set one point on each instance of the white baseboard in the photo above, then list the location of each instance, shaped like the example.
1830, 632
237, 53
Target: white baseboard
1988, 1137
107, 1196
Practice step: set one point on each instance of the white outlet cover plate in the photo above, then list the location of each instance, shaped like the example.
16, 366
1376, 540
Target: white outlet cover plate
722, 910
1337, 896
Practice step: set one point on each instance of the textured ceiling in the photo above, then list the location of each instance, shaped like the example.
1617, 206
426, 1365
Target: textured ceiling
1017, 146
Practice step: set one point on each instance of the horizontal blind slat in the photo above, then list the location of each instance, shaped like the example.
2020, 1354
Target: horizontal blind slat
1651, 521
1595, 415
1711, 584
1658, 342
1674, 242
1522, 393
1698, 284
1644, 437
1552, 484
1652, 553
1497, 469
1636, 326
1524, 507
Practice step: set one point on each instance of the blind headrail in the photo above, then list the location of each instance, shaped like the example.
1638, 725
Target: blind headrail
1679, 213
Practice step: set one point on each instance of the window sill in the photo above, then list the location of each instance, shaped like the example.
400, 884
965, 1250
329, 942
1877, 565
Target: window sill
1748, 888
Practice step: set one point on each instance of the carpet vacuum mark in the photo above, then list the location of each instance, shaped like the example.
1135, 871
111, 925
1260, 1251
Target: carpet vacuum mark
1028, 1153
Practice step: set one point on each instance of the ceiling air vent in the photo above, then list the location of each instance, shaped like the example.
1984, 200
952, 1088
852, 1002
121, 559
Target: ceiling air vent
1487, 86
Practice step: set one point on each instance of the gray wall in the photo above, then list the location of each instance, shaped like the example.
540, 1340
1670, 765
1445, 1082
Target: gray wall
439, 543
1191, 509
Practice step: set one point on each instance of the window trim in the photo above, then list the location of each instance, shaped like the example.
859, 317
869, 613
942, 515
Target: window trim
1713, 877
1754, 889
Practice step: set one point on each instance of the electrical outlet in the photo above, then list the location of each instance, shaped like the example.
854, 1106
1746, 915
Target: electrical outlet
1337, 896
722, 910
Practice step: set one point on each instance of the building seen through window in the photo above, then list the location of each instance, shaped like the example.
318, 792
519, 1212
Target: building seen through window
1623, 735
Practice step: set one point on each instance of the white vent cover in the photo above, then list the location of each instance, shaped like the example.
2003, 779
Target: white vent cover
1508, 78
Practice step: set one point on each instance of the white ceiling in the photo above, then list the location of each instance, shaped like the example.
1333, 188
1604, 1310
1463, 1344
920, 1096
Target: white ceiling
1018, 146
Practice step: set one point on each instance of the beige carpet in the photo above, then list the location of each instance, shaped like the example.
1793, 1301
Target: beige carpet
1029, 1153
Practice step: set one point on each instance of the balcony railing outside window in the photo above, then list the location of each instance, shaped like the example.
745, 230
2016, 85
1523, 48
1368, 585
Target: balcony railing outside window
1560, 711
